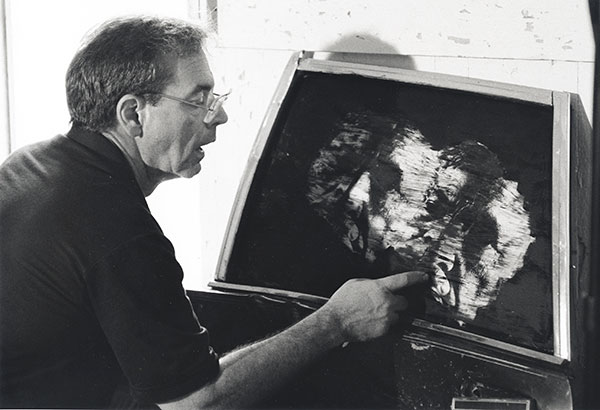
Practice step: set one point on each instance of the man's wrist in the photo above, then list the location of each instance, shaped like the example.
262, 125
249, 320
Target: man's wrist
331, 327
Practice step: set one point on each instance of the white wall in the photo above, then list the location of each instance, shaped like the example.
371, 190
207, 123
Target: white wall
546, 44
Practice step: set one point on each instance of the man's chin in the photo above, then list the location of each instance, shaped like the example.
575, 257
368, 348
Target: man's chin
190, 172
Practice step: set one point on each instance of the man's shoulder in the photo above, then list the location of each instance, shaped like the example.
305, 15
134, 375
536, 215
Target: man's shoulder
43, 161
62, 186
34, 150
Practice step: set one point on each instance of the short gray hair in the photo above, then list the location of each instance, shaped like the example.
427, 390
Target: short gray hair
125, 56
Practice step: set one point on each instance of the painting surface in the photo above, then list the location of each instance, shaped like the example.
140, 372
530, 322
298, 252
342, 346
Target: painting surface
365, 177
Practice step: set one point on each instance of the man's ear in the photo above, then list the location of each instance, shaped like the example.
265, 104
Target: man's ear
128, 114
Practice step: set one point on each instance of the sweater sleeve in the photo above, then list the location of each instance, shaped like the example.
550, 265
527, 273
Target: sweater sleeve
148, 320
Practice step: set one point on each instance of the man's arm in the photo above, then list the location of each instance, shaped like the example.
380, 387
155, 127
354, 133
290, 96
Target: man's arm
360, 310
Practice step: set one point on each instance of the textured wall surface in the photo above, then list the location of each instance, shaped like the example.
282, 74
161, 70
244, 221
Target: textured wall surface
526, 29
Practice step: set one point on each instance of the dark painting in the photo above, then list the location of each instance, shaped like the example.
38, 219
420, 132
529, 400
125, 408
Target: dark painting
365, 177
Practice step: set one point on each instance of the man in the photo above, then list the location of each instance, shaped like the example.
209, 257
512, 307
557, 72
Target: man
90, 290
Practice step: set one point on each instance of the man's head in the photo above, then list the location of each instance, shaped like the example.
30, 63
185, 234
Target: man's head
146, 84
125, 56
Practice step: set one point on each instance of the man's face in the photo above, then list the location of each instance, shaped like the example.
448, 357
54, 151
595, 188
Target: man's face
174, 132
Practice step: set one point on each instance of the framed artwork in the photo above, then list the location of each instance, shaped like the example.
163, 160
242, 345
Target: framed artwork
364, 172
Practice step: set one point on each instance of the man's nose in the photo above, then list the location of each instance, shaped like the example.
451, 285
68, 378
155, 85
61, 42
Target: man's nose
221, 117
215, 117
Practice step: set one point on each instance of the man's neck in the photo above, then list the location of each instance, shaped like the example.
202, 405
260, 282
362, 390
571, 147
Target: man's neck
148, 179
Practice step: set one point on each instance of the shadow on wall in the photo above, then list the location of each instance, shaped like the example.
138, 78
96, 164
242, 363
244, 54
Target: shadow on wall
364, 48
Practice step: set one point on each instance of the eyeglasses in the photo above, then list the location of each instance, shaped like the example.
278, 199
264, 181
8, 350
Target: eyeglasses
212, 103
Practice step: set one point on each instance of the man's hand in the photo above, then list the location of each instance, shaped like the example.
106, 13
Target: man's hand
366, 308
361, 309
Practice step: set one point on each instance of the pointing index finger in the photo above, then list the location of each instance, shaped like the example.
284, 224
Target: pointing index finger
403, 280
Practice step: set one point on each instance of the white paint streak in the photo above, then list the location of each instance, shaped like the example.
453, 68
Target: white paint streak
419, 346
399, 216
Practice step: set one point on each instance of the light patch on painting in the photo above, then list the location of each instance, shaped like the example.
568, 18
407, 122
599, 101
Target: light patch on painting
448, 211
